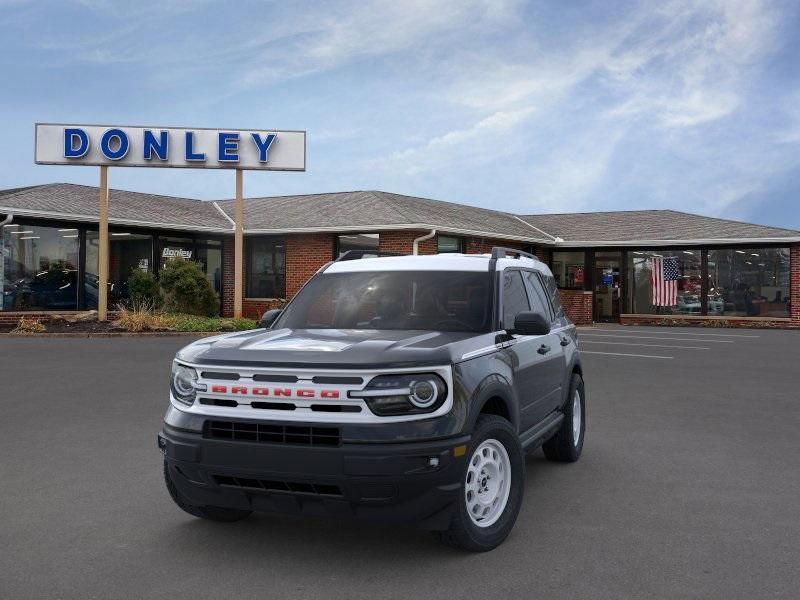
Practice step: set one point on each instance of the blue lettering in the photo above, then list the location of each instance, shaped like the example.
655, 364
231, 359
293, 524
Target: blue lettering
70, 137
190, 153
228, 142
159, 146
263, 145
122, 146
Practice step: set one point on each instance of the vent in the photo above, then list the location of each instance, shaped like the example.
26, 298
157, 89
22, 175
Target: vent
276, 378
273, 434
219, 375
289, 487
337, 380
335, 408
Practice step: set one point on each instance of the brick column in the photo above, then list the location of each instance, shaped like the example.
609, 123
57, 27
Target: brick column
794, 284
226, 301
305, 254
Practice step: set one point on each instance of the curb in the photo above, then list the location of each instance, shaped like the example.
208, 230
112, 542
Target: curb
108, 334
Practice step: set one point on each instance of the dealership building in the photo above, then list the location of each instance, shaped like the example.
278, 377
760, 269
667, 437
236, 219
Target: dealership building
719, 272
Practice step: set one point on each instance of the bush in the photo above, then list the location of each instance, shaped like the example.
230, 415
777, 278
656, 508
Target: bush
26, 325
143, 289
203, 324
186, 289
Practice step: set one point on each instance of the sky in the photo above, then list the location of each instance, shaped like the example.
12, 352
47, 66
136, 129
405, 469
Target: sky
528, 107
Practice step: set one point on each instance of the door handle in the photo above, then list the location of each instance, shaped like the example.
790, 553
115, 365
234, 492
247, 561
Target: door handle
564, 341
543, 349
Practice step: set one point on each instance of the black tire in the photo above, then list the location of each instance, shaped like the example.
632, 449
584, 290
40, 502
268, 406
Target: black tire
563, 447
212, 513
463, 533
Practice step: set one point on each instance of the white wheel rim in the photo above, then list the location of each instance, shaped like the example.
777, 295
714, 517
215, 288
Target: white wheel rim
576, 417
488, 483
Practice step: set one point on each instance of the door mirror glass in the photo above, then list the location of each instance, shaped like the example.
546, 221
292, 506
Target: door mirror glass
531, 323
269, 317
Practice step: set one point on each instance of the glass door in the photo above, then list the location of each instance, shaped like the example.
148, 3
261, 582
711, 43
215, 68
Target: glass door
607, 286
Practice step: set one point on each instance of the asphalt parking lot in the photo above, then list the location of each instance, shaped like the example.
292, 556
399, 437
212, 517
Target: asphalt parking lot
689, 487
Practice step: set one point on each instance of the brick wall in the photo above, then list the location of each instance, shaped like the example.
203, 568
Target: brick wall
305, 254
578, 306
228, 263
254, 309
794, 283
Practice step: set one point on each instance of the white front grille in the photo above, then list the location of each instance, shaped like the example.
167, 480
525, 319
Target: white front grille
276, 394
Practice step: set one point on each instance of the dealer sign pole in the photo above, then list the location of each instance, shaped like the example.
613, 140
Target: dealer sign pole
175, 147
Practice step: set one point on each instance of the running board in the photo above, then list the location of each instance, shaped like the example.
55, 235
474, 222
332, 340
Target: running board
536, 435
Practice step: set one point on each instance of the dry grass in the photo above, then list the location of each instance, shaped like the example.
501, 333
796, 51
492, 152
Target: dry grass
26, 325
142, 317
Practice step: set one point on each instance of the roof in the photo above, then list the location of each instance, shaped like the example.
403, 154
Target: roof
643, 226
432, 262
374, 210
371, 211
80, 202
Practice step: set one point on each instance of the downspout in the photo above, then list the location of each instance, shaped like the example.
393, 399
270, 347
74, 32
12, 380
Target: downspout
427, 236
7, 220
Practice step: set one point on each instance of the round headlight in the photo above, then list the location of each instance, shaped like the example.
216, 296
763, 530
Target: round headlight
184, 383
423, 393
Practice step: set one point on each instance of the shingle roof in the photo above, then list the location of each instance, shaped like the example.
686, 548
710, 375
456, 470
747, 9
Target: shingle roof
72, 201
650, 225
373, 210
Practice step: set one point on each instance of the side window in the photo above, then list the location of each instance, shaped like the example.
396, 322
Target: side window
537, 294
515, 299
555, 295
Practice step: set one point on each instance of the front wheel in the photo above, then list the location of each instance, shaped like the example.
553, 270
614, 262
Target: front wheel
491, 489
566, 445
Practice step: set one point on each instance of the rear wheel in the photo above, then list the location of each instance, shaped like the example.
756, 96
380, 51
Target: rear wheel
212, 513
566, 445
491, 490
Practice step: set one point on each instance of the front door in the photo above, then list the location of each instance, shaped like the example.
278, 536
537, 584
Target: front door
607, 286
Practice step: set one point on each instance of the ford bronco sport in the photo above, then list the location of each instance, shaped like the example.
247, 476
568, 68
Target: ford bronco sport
398, 388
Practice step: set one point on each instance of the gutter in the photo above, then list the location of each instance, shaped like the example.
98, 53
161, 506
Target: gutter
224, 214
684, 242
427, 236
7, 220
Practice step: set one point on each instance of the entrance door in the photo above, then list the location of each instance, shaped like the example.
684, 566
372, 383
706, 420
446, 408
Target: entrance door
607, 286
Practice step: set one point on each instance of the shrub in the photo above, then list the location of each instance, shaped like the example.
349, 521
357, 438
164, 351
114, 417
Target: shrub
26, 325
186, 289
143, 289
203, 324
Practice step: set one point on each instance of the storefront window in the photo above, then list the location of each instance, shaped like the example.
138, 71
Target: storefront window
447, 244
209, 255
266, 267
747, 282
665, 282
568, 269
39, 268
175, 247
128, 252
359, 241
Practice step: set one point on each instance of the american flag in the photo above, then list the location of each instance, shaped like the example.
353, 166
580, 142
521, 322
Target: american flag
664, 277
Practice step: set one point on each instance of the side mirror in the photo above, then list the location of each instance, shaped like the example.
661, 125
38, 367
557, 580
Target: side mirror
531, 323
269, 317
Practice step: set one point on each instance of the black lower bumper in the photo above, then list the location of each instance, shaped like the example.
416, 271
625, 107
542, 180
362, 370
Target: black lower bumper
406, 482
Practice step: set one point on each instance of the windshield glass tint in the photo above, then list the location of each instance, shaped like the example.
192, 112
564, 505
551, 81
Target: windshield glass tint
428, 300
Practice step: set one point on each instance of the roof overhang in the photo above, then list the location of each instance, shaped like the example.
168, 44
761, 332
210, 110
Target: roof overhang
684, 242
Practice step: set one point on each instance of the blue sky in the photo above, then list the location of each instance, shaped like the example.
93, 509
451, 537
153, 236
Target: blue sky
521, 106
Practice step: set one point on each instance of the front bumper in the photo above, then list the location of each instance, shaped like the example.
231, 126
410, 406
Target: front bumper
396, 482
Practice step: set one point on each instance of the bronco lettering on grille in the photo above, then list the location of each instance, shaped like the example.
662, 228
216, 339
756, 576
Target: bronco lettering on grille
240, 390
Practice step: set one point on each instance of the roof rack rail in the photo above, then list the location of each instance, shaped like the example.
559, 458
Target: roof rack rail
357, 254
501, 252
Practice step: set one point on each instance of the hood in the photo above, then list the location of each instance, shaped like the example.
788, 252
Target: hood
331, 348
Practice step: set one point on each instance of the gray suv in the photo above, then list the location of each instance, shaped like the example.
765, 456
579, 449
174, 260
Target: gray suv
393, 388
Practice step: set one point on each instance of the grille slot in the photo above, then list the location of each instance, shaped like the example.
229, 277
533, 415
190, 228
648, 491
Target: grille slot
273, 434
219, 402
220, 375
293, 487
337, 380
273, 405
335, 408
276, 378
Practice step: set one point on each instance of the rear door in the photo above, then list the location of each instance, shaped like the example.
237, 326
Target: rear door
555, 360
532, 365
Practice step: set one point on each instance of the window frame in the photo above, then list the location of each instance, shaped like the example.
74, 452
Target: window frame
248, 246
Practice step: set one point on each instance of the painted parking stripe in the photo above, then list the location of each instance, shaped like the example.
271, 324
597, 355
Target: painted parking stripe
651, 337
648, 345
734, 335
624, 354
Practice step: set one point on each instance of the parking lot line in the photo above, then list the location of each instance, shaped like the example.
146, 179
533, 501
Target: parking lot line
734, 335
651, 337
624, 354
648, 345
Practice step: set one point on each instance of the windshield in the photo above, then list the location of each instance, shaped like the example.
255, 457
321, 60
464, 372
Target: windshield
427, 300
